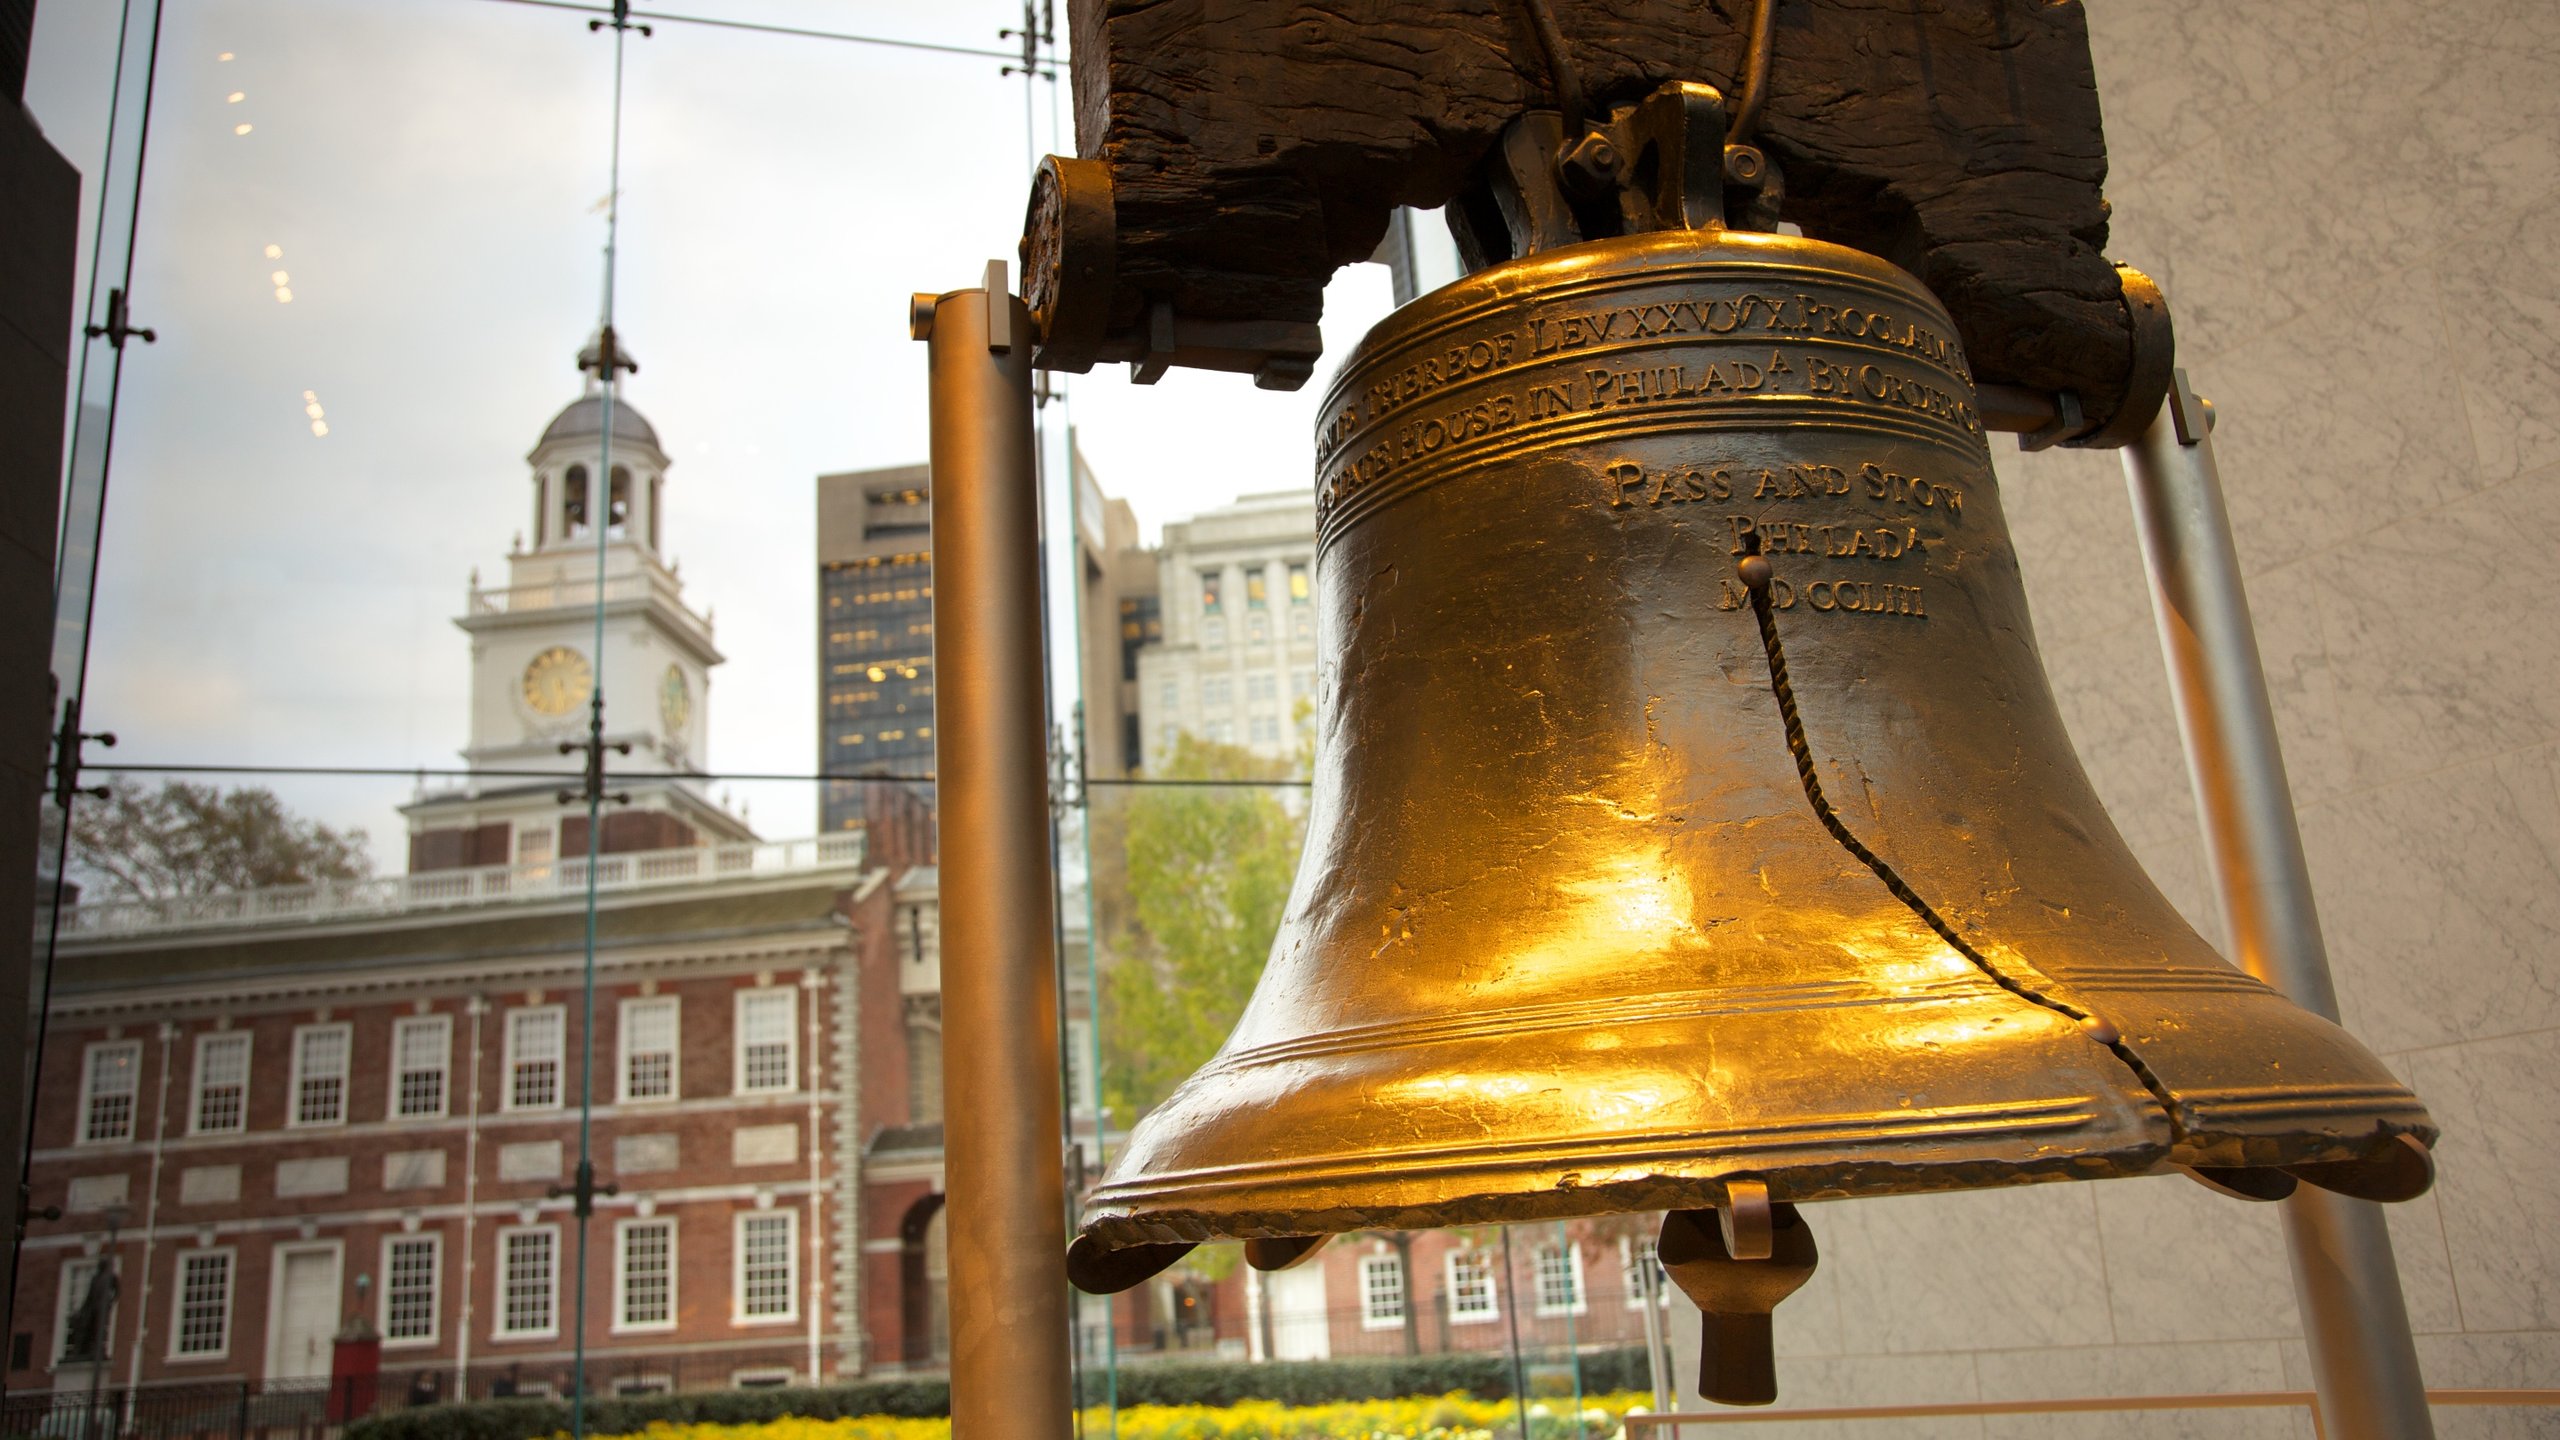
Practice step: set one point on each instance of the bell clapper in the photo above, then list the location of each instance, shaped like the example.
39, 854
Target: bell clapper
1736, 1296
1282, 1252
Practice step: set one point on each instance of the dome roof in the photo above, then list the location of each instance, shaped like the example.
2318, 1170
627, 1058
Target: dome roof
585, 416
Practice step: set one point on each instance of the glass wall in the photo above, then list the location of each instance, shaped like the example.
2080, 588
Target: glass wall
505, 927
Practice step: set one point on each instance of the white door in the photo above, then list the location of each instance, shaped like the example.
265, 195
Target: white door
1301, 1326
305, 1313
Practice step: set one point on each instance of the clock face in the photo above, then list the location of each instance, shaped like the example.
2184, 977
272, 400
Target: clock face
675, 700
556, 680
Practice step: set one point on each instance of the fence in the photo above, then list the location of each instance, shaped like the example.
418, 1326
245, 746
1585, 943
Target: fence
314, 1409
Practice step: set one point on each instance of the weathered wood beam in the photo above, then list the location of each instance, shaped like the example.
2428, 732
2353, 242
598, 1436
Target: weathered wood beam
1255, 146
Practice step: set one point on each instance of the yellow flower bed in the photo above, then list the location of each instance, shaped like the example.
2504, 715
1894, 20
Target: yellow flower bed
1444, 1417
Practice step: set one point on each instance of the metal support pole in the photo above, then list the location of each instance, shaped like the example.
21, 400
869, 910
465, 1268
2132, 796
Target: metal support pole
1005, 1168
2363, 1363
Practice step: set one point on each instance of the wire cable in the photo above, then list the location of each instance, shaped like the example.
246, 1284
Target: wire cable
792, 31
866, 777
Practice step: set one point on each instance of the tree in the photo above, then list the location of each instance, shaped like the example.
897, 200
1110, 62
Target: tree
1207, 873
183, 839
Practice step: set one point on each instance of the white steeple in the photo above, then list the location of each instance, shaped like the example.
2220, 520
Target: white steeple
533, 639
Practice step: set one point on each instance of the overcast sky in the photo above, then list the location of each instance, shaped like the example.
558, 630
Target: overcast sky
432, 171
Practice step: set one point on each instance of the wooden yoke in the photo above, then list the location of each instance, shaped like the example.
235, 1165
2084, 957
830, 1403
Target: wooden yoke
1238, 152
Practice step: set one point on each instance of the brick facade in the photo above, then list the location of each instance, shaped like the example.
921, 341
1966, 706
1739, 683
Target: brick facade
340, 1181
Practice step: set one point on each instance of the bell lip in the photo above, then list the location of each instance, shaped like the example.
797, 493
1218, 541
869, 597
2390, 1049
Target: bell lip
1121, 1226
1337, 1207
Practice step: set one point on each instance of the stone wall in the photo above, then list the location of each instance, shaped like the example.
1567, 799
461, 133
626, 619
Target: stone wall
2352, 207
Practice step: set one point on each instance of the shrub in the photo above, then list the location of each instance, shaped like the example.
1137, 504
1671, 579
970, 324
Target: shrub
1477, 1376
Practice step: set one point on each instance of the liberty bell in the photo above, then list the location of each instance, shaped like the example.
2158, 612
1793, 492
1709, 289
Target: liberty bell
1694, 829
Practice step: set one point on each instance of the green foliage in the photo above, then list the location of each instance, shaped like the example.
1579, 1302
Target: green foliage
1207, 873
535, 1419
1486, 1375
183, 839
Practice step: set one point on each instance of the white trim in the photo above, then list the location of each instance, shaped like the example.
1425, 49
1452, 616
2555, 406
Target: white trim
1481, 1260
89, 1094
178, 1304
67, 1296
434, 1240
789, 1216
790, 1004
1631, 1279
507, 1065
763, 1377
195, 1090
399, 1069
622, 1274
674, 1006
1581, 1302
303, 1035
498, 1329
336, 1250
1370, 1319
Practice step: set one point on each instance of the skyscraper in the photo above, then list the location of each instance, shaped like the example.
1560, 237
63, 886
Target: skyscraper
875, 635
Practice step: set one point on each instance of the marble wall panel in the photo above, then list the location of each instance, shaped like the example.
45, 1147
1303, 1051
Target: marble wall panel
2502, 306
2498, 1182
2195, 1368
2238, 58
2447, 653
1991, 1269
2186, 1264
2440, 899
2335, 427
2073, 527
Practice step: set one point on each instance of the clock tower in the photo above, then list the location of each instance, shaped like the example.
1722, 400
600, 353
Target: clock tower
535, 660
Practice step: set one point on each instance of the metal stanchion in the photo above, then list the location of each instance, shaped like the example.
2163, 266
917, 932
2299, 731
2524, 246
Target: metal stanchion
1001, 1152
2363, 1362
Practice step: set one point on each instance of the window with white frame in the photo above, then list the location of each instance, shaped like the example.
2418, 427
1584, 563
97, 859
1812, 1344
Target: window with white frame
421, 1055
320, 1073
768, 1265
649, 1030
1471, 1288
412, 1267
1381, 1292
77, 1272
1636, 1258
110, 1077
1560, 1280
644, 1275
537, 1036
768, 1040
201, 1328
529, 1281
221, 1104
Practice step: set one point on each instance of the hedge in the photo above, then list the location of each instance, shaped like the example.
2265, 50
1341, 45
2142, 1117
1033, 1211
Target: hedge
1486, 1376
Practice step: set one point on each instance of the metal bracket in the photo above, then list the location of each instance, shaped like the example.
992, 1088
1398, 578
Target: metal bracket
584, 1189
118, 326
67, 742
2067, 422
2191, 416
621, 20
999, 308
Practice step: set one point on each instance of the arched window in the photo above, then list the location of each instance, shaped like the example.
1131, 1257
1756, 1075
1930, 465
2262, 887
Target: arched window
618, 515
573, 503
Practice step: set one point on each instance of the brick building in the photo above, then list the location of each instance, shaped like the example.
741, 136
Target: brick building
287, 1112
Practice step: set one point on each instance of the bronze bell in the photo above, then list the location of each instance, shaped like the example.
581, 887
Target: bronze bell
1694, 827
